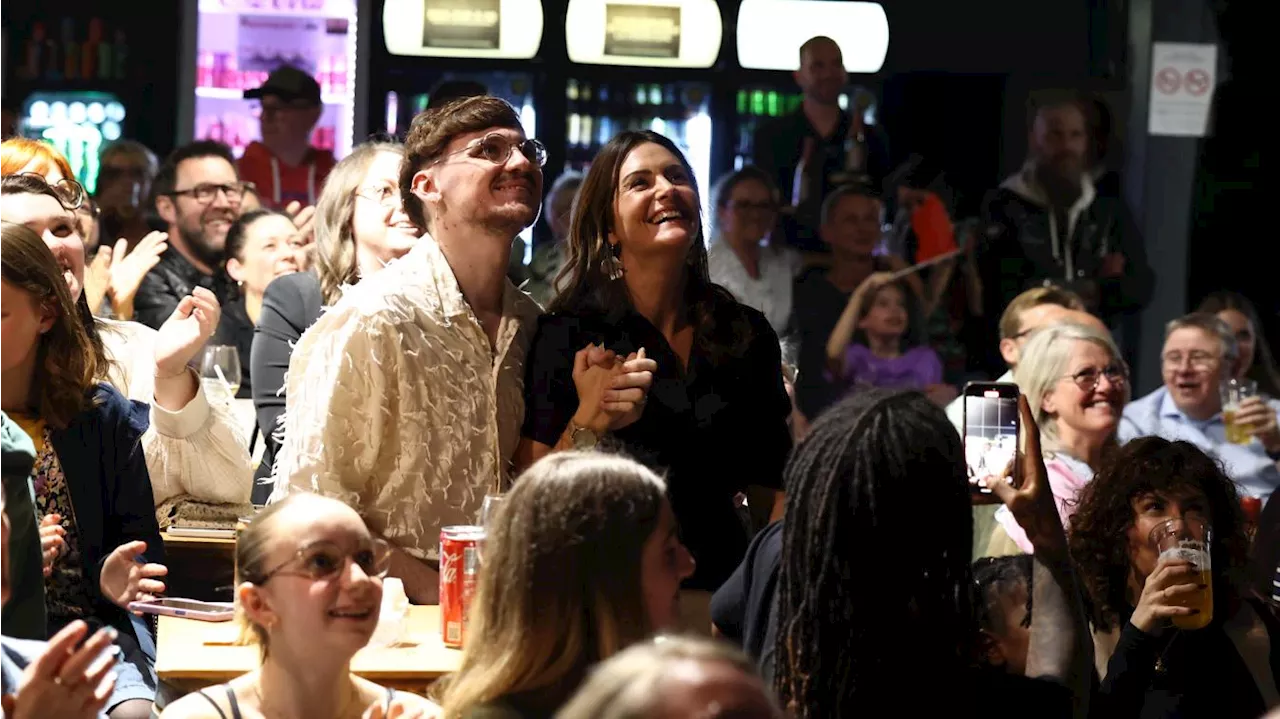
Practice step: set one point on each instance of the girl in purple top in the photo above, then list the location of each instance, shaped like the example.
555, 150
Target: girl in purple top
877, 342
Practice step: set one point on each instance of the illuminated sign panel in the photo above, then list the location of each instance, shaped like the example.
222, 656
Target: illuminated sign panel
504, 29
770, 32
659, 33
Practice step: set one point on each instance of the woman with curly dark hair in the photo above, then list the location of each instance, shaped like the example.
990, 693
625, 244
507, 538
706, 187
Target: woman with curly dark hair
1226, 669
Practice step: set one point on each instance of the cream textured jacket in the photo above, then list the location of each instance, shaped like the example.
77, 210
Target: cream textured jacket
398, 405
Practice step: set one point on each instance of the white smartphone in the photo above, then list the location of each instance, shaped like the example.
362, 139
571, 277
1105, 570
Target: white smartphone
187, 608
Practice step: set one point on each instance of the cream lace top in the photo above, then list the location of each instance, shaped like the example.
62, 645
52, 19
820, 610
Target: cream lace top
199, 450
397, 404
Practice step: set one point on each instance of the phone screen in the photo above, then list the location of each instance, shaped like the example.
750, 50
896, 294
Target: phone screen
990, 431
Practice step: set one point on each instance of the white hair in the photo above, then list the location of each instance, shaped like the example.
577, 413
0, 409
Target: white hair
1045, 359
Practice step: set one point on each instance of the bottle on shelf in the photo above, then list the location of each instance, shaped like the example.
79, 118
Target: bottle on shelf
121, 56
757, 102
52, 60
89, 50
204, 68
35, 53
587, 133
742, 102
106, 59
339, 73
571, 90
655, 94
70, 49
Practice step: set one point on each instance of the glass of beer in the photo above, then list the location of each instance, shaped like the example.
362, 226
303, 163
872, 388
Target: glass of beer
1235, 391
1189, 538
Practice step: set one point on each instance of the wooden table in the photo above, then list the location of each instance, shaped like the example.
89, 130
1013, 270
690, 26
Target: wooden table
200, 567
191, 654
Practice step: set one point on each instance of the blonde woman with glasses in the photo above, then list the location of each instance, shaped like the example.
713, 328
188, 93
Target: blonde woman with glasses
1077, 386
308, 593
360, 226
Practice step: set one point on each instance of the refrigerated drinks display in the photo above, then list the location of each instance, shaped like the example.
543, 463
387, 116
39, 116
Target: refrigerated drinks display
78, 124
239, 44
514, 87
596, 111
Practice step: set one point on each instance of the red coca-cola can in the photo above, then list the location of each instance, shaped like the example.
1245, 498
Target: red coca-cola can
459, 571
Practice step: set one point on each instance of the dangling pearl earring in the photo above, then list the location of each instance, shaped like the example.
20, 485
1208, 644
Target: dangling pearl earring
610, 265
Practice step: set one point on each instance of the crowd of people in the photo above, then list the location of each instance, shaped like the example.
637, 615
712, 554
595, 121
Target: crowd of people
748, 429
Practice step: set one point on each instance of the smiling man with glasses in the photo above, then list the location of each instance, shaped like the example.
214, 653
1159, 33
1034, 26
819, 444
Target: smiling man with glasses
405, 399
1200, 352
197, 193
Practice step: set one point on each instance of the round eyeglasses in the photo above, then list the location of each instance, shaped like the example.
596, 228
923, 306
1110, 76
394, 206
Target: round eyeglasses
497, 149
325, 560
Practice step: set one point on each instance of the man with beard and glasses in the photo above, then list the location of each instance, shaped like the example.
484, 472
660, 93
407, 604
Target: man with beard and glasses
405, 399
197, 193
1046, 224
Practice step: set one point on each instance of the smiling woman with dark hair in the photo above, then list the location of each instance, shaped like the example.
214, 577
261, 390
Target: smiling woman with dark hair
641, 346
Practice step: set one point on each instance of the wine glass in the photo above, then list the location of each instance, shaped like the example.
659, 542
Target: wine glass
220, 371
489, 510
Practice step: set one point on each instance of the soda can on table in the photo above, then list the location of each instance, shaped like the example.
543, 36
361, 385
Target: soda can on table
459, 571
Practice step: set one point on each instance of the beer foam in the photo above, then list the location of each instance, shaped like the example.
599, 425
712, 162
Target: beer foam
1196, 556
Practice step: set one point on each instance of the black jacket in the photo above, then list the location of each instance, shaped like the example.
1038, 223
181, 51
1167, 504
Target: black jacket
289, 306
1028, 245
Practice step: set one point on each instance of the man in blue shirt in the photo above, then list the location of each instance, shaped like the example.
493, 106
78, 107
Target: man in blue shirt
1199, 352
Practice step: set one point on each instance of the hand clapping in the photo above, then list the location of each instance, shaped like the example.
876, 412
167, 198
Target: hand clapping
67, 681
611, 390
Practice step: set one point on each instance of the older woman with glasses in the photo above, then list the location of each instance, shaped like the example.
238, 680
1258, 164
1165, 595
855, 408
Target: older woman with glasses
759, 276
1077, 386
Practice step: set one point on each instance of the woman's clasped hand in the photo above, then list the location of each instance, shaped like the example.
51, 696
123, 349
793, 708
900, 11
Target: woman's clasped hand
611, 389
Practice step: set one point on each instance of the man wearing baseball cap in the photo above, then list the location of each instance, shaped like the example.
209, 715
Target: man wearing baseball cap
283, 165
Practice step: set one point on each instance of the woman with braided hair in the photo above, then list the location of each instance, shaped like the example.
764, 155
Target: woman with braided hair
872, 577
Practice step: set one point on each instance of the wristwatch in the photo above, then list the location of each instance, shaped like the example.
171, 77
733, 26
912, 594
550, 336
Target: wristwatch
581, 437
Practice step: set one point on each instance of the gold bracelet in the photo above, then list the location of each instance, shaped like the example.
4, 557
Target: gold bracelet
183, 371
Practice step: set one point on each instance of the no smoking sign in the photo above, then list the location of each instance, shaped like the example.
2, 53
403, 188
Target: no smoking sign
1183, 76
1168, 80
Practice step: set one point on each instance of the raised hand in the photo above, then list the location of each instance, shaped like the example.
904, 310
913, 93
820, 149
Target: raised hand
67, 681
97, 278
126, 579
1171, 580
186, 331
629, 389
1029, 496
126, 270
1258, 416
52, 540
592, 376
304, 218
